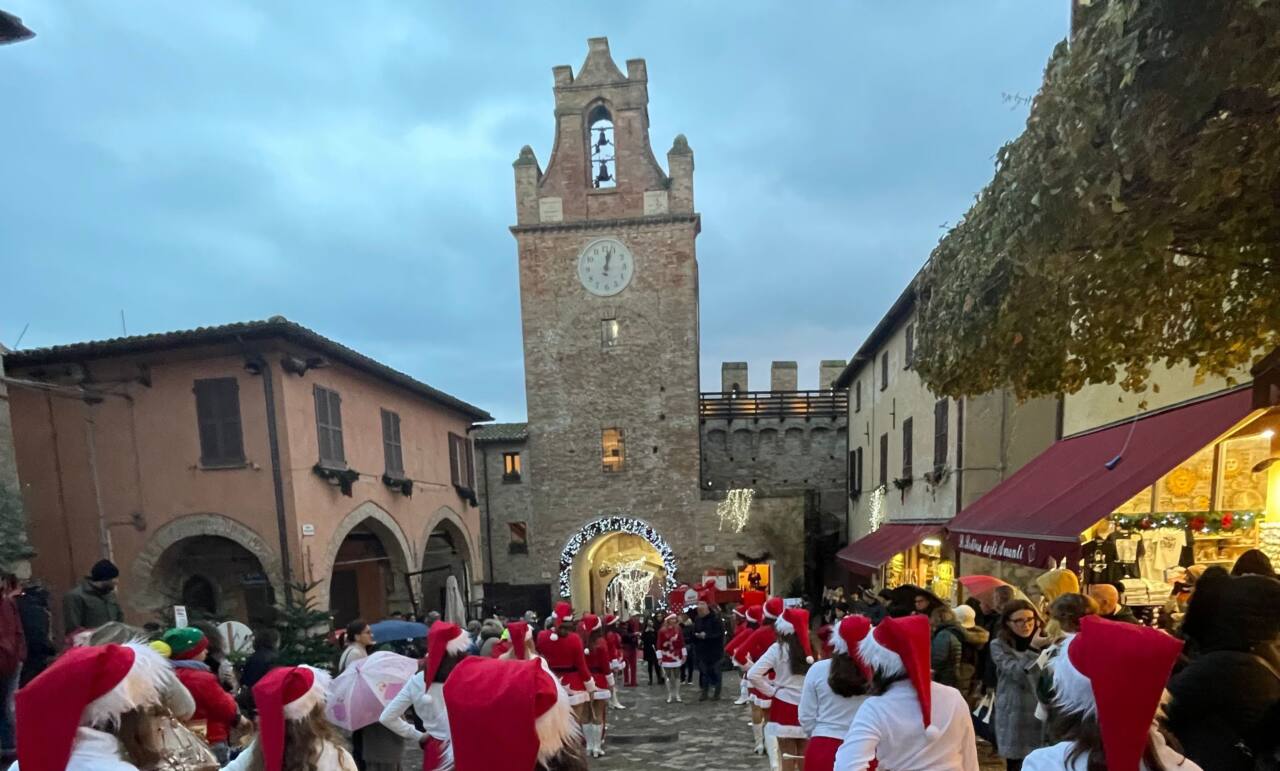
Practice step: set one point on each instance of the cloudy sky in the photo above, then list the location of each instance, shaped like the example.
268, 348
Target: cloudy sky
348, 165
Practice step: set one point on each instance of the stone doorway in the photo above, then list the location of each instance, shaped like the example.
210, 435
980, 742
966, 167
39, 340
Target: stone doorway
217, 579
445, 556
618, 571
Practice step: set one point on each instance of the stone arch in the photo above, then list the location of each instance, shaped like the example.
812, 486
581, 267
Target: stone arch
447, 514
144, 593
581, 538
464, 543
393, 540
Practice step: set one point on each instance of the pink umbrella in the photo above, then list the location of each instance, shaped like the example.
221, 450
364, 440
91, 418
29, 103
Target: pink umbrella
357, 696
980, 586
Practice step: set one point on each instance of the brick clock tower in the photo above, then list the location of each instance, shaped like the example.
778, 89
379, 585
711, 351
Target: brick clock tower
609, 306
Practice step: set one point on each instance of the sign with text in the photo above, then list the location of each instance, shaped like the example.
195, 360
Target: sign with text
1025, 551
179, 615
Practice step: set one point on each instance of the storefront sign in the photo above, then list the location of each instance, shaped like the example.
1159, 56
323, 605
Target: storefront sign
1026, 551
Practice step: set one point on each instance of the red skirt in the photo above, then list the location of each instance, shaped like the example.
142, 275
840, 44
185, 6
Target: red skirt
600, 681
432, 754
820, 754
575, 686
784, 713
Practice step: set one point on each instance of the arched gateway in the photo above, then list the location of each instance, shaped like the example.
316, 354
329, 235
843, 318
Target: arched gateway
600, 551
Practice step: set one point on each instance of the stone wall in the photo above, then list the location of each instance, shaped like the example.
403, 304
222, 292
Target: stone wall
503, 502
15, 550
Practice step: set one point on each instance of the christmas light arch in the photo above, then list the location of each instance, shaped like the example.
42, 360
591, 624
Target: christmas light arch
607, 526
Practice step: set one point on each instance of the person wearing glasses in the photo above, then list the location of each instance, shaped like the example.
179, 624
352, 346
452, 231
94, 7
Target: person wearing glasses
1018, 730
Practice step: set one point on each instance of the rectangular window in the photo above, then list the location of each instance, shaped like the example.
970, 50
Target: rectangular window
911, 346
510, 467
611, 449
906, 448
218, 418
855, 473
857, 396
392, 450
608, 333
859, 468
462, 469
940, 410
519, 543
884, 370
329, 427
884, 460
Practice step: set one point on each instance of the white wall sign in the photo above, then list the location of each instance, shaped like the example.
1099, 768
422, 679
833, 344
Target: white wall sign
308, 530
550, 209
179, 615
655, 202
709, 547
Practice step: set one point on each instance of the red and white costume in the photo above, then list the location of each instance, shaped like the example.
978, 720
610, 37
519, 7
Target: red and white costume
671, 645
1114, 673
824, 714
564, 655
598, 658
426, 696
288, 695
507, 715
887, 728
755, 646
786, 687
614, 640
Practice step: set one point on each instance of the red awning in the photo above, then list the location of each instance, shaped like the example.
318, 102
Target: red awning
868, 553
1040, 511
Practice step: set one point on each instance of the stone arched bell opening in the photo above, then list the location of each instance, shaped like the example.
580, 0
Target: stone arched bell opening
587, 561
448, 551
218, 567
365, 567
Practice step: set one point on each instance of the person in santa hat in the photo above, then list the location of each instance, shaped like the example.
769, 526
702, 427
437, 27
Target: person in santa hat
447, 646
518, 642
887, 727
562, 650
293, 733
189, 648
671, 654
746, 655
616, 663
789, 659
90, 710
746, 623
510, 715
629, 631
1107, 690
596, 650
834, 689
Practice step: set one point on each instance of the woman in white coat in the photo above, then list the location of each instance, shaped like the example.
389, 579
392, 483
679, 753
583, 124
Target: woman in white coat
834, 689
447, 644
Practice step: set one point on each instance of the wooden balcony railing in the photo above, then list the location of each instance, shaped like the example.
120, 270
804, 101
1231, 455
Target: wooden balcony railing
715, 405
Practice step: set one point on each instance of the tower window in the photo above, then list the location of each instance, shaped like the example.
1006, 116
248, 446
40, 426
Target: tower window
600, 143
609, 333
611, 449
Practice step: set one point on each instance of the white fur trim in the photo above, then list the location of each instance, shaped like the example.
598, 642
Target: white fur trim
880, 658
555, 637
557, 727
788, 731
838, 643
299, 708
140, 687
458, 645
1073, 692
783, 626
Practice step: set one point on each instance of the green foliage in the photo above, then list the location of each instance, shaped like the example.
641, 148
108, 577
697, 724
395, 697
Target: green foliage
1136, 220
13, 528
304, 629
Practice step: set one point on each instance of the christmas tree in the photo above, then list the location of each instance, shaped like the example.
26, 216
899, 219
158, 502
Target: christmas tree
304, 630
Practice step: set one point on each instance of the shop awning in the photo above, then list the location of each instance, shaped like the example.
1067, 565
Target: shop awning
1040, 511
868, 553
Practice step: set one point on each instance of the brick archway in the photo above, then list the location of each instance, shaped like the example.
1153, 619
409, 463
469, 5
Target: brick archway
389, 533
143, 594
472, 544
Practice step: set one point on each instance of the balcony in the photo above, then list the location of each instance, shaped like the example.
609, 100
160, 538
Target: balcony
716, 405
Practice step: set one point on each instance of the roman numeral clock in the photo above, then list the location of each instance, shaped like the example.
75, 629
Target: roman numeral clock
605, 267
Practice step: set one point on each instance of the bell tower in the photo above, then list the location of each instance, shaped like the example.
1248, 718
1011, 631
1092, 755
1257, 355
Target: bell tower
609, 307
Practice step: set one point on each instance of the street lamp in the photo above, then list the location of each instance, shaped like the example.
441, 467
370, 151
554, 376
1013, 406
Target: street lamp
12, 30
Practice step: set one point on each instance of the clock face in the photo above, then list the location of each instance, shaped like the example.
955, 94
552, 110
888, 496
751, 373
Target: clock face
605, 267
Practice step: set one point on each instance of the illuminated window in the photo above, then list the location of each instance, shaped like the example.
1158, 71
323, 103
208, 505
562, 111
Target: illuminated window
511, 467
609, 333
611, 449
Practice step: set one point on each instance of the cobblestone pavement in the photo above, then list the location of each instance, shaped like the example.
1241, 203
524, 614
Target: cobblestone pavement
693, 736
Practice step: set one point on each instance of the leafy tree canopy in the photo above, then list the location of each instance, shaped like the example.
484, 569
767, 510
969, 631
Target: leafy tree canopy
1137, 218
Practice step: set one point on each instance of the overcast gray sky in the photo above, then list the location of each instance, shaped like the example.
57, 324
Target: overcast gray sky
348, 165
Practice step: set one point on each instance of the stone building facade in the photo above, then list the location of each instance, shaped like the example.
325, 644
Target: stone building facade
15, 547
216, 466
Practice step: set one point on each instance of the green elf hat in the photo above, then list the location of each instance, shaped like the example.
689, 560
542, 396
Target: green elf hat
186, 642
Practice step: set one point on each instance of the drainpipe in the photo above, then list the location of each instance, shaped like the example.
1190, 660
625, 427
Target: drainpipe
488, 519
256, 364
91, 444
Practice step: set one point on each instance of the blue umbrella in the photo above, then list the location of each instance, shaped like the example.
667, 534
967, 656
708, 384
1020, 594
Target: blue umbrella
394, 629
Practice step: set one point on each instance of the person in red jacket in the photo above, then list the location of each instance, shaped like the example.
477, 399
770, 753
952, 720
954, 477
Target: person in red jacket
630, 634
214, 706
748, 620
671, 654
599, 661
13, 651
616, 663
562, 650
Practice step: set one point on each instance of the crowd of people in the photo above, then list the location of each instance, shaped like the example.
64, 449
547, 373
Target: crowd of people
900, 680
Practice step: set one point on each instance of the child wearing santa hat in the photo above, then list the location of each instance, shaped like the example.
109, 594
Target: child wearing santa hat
293, 733
671, 654
746, 655
510, 715
447, 645
789, 659
1107, 690
888, 727
834, 689
596, 651
85, 711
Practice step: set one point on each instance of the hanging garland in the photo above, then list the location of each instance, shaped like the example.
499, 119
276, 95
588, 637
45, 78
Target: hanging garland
1204, 522
616, 524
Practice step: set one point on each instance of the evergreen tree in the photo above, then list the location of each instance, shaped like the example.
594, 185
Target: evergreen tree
304, 630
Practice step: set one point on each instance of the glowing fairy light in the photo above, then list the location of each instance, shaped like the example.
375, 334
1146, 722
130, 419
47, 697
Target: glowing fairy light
877, 508
735, 509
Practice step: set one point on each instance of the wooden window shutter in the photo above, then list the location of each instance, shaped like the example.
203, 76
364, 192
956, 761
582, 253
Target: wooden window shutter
218, 421
470, 483
454, 476
907, 468
940, 438
884, 460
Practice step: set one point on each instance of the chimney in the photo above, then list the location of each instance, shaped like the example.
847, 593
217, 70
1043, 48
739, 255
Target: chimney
783, 376
733, 376
828, 371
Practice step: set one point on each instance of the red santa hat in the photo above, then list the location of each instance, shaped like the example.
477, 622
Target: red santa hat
507, 715
443, 639
1117, 672
87, 686
518, 631
755, 614
590, 622
670, 615
848, 635
773, 607
285, 695
562, 615
795, 621
901, 646
740, 611
610, 620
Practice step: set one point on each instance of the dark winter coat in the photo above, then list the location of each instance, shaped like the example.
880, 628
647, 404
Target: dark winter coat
86, 608
1225, 706
13, 644
649, 639
33, 608
1124, 615
710, 646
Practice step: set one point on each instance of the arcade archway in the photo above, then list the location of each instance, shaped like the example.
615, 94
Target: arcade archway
216, 579
445, 556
